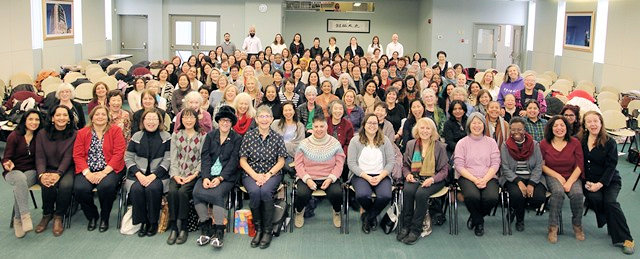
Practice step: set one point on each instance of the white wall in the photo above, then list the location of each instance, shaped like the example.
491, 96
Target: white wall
15, 47
398, 16
454, 19
153, 10
622, 57
544, 36
425, 29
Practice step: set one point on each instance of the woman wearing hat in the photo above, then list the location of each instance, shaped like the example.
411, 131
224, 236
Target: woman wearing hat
218, 175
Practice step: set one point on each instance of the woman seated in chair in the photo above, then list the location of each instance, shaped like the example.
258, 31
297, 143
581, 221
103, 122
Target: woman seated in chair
371, 158
186, 147
148, 102
603, 181
194, 101
98, 154
218, 176
425, 167
476, 171
563, 167
262, 156
454, 130
319, 163
291, 130
521, 171
54, 165
148, 159
64, 96
19, 168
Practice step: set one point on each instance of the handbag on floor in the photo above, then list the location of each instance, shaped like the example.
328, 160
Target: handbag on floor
426, 226
163, 220
390, 220
127, 227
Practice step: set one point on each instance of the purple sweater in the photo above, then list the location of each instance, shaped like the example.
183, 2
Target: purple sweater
510, 88
477, 163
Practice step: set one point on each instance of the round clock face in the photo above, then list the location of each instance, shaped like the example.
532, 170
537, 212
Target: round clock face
262, 8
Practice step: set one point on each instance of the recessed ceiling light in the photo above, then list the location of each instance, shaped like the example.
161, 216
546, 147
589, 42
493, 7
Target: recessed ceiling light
356, 4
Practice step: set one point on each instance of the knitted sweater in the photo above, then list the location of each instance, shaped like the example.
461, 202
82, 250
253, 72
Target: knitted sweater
466, 155
319, 159
186, 153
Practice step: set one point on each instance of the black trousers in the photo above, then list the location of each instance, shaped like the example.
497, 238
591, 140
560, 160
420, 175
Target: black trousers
479, 202
178, 198
415, 204
608, 211
518, 202
107, 191
303, 194
57, 198
146, 201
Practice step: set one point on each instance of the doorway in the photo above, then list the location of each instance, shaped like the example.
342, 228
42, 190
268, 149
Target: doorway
133, 37
497, 46
191, 35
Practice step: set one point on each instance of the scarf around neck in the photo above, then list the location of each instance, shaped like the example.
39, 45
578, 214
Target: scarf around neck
520, 153
418, 164
243, 124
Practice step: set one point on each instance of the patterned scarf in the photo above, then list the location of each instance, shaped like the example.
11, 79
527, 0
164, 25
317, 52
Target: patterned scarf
417, 165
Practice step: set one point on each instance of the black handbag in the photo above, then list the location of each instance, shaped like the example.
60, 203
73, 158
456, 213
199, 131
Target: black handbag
633, 156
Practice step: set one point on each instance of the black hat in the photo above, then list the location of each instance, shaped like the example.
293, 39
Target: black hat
227, 112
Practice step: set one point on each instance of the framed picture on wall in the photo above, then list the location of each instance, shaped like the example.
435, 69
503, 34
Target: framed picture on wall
578, 31
57, 19
348, 25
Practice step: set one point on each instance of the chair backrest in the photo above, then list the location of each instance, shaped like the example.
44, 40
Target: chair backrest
94, 77
587, 88
84, 93
92, 66
567, 77
92, 70
20, 78
552, 74
3, 88
608, 95
83, 64
478, 77
72, 76
633, 105
564, 89
614, 120
608, 104
126, 64
50, 84
610, 89
543, 81
112, 82
530, 72
564, 82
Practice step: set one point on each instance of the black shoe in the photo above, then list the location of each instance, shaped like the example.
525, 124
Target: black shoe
411, 238
373, 222
104, 226
470, 223
479, 230
520, 226
217, 242
153, 230
172, 237
255, 242
143, 230
266, 240
93, 223
182, 237
402, 234
366, 228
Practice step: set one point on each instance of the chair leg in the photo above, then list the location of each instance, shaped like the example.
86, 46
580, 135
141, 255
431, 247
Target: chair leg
560, 228
293, 210
33, 198
346, 209
286, 201
504, 225
624, 144
13, 215
342, 214
508, 201
637, 179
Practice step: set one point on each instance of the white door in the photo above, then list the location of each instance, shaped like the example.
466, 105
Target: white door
133, 37
485, 40
193, 34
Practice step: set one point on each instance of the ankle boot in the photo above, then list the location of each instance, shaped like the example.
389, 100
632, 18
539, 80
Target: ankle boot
578, 232
27, 224
44, 223
267, 219
257, 222
17, 227
218, 241
553, 234
58, 228
205, 233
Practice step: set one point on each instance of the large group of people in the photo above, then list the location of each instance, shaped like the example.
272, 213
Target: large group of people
248, 116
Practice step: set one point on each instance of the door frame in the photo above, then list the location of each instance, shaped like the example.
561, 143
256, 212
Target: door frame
120, 34
474, 43
195, 35
522, 45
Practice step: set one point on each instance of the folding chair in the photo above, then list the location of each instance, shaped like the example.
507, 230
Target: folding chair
316, 193
396, 197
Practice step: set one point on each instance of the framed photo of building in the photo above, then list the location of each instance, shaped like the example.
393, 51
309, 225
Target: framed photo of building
578, 31
348, 25
57, 19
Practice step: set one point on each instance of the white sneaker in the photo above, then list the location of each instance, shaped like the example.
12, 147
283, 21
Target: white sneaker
298, 219
337, 221
203, 240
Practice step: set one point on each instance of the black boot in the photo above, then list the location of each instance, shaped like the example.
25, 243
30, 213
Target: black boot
205, 233
257, 222
267, 219
219, 234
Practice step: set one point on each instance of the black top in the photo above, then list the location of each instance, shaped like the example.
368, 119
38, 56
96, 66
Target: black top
600, 163
135, 120
334, 53
226, 152
350, 50
396, 115
453, 131
315, 51
297, 49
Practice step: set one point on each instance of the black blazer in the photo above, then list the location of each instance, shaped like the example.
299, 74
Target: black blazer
333, 54
359, 51
297, 49
453, 132
600, 163
228, 153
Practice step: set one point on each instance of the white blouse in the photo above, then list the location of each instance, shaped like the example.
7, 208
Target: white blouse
371, 160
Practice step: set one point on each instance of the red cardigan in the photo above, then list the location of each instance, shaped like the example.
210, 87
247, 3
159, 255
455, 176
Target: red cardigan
345, 132
113, 147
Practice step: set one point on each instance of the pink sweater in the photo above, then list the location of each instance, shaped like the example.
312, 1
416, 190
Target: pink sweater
477, 155
319, 159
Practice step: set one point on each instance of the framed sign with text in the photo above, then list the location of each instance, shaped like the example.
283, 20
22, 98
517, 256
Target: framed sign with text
348, 25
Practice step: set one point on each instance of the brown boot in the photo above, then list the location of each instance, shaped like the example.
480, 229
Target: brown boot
57, 226
553, 234
44, 223
579, 232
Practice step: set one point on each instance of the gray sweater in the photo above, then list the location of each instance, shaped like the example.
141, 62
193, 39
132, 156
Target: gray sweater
508, 166
355, 149
292, 146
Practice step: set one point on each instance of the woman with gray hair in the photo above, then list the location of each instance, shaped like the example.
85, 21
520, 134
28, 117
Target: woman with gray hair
65, 95
476, 171
193, 100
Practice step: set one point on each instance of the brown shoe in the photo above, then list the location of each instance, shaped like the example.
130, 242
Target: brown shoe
44, 223
57, 226
553, 234
579, 232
